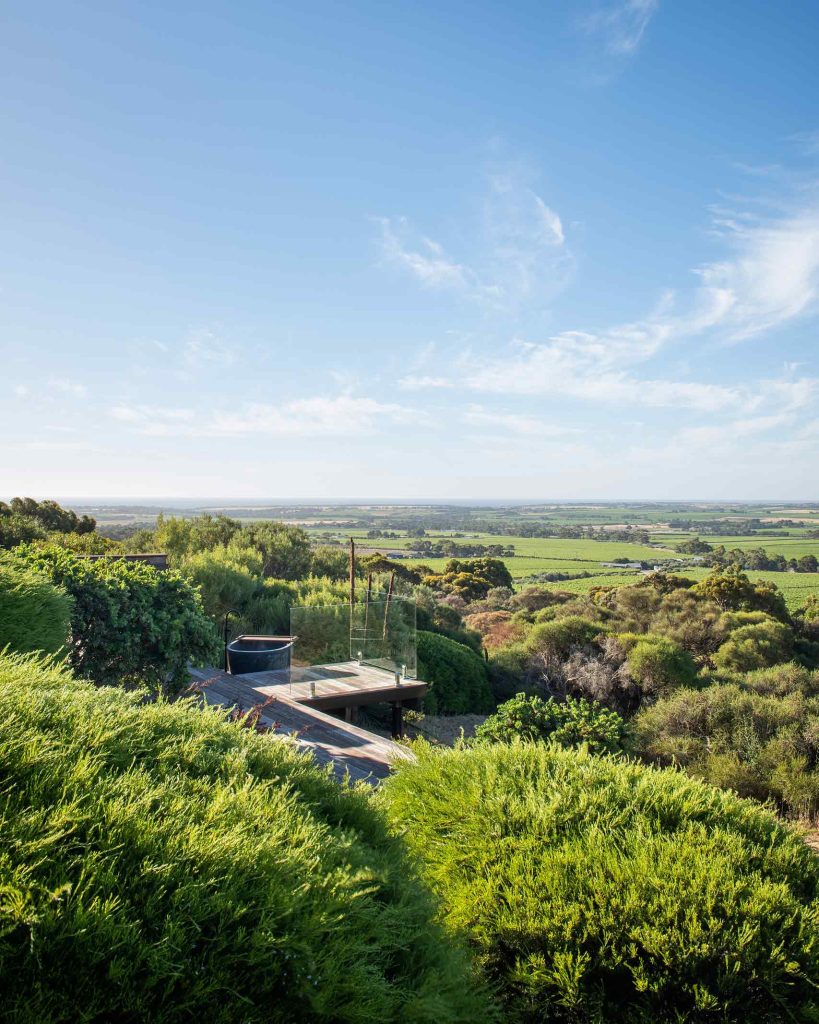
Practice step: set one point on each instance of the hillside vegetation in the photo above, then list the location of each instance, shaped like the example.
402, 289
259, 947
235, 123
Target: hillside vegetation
593, 889
161, 864
35, 615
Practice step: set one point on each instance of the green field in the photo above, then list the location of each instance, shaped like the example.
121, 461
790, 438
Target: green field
535, 555
795, 587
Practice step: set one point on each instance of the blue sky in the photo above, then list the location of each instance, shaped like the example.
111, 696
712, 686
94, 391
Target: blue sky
413, 250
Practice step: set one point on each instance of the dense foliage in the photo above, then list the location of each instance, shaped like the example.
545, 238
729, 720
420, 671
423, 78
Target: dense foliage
35, 614
568, 723
130, 622
24, 519
594, 889
162, 864
470, 578
758, 735
459, 681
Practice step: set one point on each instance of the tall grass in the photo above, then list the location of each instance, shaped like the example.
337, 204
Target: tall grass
159, 863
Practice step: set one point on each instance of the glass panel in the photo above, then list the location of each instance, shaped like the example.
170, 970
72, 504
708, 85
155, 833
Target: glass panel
378, 632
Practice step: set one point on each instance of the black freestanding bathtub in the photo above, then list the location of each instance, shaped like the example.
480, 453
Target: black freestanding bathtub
259, 654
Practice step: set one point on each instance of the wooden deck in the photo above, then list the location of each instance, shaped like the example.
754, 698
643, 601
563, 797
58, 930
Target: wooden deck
294, 702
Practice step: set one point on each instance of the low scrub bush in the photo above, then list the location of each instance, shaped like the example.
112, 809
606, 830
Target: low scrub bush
458, 677
560, 637
657, 664
755, 646
760, 744
34, 613
780, 680
162, 864
595, 889
568, 723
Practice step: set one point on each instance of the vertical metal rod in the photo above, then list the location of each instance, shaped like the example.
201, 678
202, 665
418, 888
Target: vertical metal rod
387, 604
352, 572
367, 605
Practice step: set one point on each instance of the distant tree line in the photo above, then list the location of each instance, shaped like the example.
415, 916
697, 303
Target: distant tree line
24, 519
750, 558
737, 527
454, 549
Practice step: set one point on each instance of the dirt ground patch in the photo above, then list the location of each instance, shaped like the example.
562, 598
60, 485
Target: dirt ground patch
445, 729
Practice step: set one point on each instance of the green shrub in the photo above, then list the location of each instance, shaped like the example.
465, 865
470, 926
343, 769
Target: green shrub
755, 646
780, 680
458, 677
225, 579
760, 745
731, 590
659, 664
34, 613
569, 723
130, 622
594, 889
162, 864
557, 638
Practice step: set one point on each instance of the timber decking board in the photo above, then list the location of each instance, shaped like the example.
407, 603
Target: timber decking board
351, 751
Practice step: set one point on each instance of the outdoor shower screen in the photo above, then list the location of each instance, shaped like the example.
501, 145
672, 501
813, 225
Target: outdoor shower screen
378, 632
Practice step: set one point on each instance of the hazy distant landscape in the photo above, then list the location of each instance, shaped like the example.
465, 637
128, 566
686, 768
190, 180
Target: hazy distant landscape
785, 529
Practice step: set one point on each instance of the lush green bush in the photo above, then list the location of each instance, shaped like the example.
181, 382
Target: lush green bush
285, 550
227, 579
130, 622
763, 745
730, 589
181, 537
458, 677
658, 664
755, 646
332, 562
558, 638
569, 723
470, 578
34, 613
780, 680
161, 864
595, 889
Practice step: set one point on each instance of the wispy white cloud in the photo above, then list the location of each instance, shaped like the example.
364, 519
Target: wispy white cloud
419, 382
517, 251
585, 367
621, 25
203, 347
726, 433
770, 278
66, 387
514, 422
341, 416
772, 275
424, 258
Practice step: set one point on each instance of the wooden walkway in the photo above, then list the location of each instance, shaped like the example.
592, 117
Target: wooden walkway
295, 703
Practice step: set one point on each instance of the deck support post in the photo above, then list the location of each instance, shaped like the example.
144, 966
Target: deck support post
397, 720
